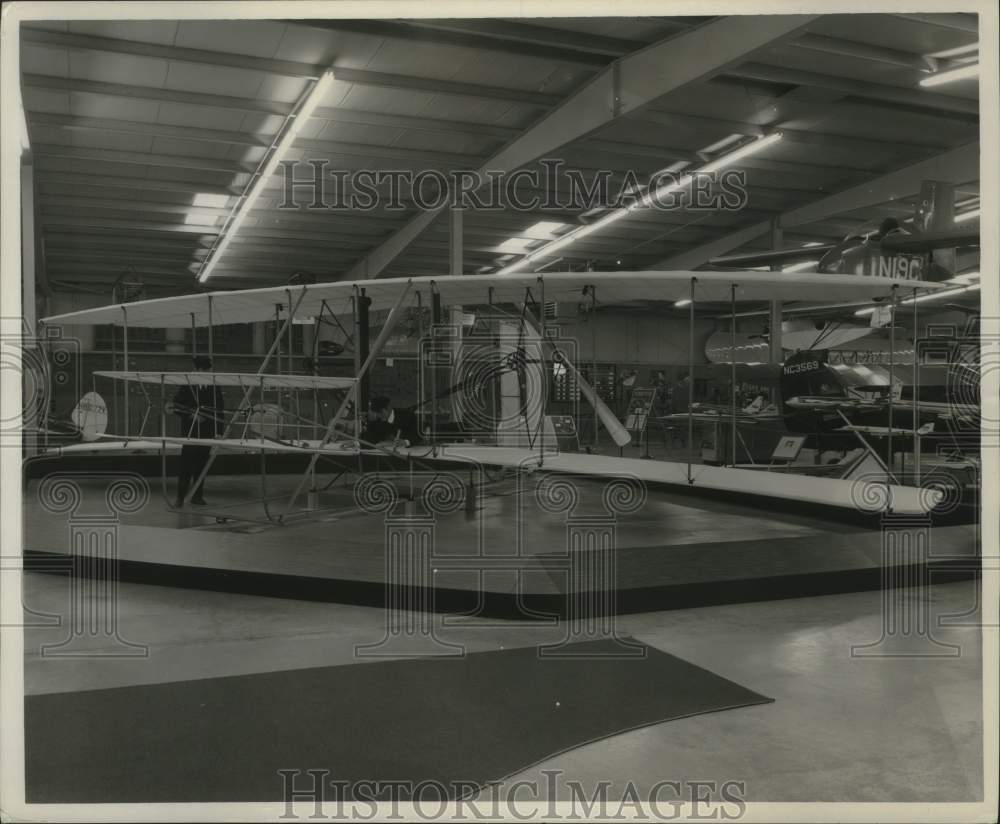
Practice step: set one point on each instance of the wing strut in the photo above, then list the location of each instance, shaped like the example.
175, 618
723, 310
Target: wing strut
245, 402
387, 329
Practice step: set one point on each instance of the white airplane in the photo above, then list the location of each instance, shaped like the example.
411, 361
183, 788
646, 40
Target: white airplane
337, 435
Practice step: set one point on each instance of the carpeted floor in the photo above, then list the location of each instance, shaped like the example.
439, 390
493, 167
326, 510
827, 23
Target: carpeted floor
472, 719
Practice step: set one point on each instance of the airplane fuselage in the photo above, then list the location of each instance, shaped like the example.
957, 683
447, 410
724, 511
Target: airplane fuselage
862, 256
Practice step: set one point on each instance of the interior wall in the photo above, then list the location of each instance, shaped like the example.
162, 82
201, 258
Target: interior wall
635, 337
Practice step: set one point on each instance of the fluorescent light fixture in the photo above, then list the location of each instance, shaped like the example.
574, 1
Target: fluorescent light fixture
211, 201
513, 267
955, 52
515, 245
200, 219
678, 166
951, 75
943, 293
559, 243
682, 302
721, 144
750, 148
972, 214
805, 266
544, 229
279, 148
965, 277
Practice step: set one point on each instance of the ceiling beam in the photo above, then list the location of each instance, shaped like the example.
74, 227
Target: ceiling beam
628, 85
86, 255
818, 138
111, 225
65, 243
90, 203
877, 91
105, 124
515, 31
62, 271
218, 101
203, 57
364, 77
361, 77
861, 51
469, 39
959, 164
143, 184
770, 109
622, 150
419, 124
369, 150
140, 158
959, 22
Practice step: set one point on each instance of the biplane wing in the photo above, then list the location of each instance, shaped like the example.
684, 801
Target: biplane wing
110, 444
610, 288
244, 380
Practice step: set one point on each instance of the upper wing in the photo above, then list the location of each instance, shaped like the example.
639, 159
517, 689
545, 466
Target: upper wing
611, 288
928, 241
772, 256
244, 380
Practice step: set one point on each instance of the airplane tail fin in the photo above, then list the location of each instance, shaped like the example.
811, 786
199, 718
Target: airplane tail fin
936, 213
935, 206
803, 374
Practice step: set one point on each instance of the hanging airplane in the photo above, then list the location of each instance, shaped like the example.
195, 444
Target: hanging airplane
919, 248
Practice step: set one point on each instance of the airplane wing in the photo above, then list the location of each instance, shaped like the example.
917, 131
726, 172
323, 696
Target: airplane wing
751, 259
294, 447
510, 457
612, 288
240, 379
822, 403
718, 417
118, 444
884, 431
115, 445
942, 410
928, 241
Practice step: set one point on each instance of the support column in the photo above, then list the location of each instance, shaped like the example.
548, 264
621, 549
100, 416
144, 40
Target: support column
362, 335
28, 282
259, 338
456, 318
732, 375
455, 261
28, 248
436, 320
690, 420
916, 390
775, 352
308, 340
892, 376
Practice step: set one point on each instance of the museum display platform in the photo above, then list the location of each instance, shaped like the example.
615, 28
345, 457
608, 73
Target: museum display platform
529, 546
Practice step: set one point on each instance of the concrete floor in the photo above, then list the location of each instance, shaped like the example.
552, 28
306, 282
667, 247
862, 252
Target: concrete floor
842, 728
